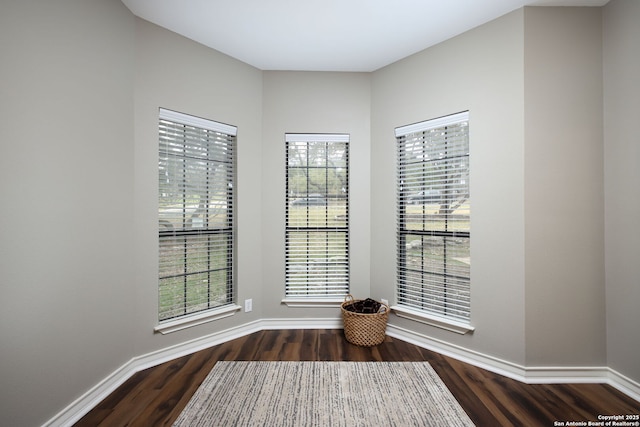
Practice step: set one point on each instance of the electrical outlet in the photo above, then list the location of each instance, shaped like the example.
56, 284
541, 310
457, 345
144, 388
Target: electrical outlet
248, 305
384, 301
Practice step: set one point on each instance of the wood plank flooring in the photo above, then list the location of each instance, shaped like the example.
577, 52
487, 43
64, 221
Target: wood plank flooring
156, 396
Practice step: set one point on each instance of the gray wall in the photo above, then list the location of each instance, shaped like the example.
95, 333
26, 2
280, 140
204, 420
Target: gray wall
310, 102
564, 234
66, 184
622, 183
80, 103
175, 73
80, 88
480, 71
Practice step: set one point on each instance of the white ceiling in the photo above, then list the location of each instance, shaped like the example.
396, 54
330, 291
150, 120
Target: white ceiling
326, 35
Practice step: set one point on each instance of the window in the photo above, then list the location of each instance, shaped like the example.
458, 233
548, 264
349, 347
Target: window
433, 218
195, 211
317, 216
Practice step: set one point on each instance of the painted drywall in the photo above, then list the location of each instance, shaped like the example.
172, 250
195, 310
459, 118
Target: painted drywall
311, 102
66, 174
621, 38
564, 235
175, 73
480, 71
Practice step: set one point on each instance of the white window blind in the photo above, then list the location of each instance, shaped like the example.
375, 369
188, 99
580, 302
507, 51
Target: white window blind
195, 211
317, 215
434, 217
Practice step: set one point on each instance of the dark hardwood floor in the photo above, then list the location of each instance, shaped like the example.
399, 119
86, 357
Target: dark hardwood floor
156, 396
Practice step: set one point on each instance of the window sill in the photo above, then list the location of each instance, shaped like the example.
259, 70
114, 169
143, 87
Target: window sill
196, 319
429, 319
313, 302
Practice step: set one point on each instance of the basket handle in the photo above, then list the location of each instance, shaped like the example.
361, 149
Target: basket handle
348, 297
382, 309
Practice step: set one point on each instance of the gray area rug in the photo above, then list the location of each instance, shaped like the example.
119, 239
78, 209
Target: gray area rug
323, 394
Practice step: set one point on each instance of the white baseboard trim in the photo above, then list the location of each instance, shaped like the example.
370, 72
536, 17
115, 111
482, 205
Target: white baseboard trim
81, 406
624, 384
475, 358
531, 375
78, 408
563, 375
527, 375
273, 324
164, 355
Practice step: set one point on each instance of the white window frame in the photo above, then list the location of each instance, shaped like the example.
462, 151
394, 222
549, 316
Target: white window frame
434, 287
196, 204
318, 291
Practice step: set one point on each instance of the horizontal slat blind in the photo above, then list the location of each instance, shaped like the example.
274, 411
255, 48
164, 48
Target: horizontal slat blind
434, 217
317, 215
195, 211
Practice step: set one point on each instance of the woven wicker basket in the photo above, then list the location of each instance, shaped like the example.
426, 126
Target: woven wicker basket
364, 329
